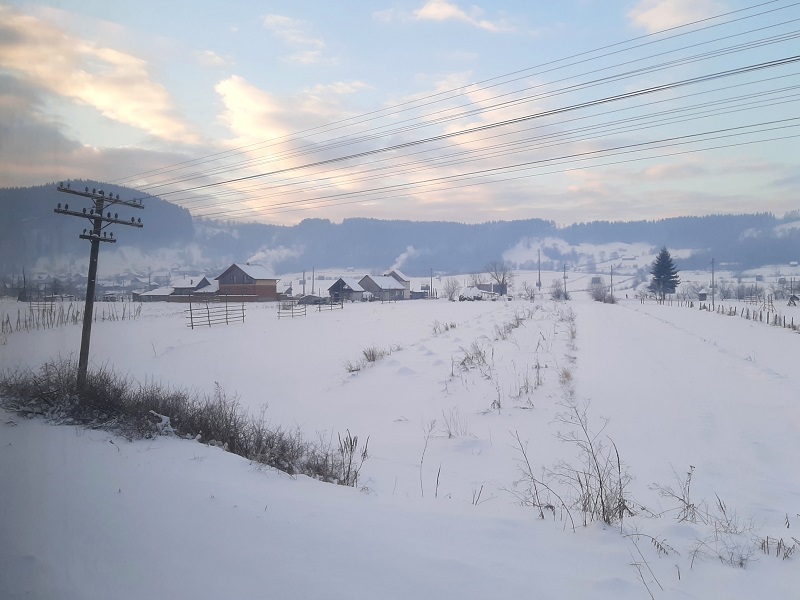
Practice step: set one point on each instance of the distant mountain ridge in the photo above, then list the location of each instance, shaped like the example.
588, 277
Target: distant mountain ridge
32, 235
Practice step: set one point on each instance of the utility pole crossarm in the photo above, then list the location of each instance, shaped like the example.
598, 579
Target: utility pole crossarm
95, 195
90, 214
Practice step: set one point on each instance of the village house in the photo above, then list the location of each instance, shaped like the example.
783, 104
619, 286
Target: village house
402, 279
346, 289
246, 282
383, 288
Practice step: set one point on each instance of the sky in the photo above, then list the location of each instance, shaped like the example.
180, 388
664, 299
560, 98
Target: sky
409, 109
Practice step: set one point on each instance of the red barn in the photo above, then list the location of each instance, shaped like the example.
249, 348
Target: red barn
247, 282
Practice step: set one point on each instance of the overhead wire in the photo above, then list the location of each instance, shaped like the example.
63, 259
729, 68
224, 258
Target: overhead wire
322, 180
503, 79
426, 121
235, 196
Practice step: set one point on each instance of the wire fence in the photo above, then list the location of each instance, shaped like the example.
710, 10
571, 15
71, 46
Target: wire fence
762, 310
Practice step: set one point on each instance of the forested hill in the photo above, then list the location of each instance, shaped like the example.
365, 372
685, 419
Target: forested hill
31, 233
30, 230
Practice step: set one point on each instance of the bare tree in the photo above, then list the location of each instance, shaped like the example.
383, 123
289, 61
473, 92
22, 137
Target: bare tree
599, 291
452, 288
476, 279
529, 291
501, 274
725, 289
557, 291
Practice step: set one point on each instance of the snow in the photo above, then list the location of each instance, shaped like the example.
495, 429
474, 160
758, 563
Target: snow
89, 515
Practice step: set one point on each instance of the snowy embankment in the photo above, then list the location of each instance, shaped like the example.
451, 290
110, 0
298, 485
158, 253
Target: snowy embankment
88, 515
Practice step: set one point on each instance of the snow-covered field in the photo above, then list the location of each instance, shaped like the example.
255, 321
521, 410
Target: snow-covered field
86, 515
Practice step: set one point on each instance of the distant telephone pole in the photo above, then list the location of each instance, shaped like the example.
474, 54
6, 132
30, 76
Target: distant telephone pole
713, 286
95, 235
539, 278
612, 284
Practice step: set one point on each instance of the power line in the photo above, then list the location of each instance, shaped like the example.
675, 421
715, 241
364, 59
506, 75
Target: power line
507, 122
502, 78
425, 121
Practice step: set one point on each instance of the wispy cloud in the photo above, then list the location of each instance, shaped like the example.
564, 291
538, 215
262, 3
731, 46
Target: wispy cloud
656, 15
674, 171
250, 112
385, 16
115, 83
210, 58
442, 10
297, 34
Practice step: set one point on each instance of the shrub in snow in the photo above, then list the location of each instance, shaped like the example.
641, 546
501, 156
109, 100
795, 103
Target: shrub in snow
119, 404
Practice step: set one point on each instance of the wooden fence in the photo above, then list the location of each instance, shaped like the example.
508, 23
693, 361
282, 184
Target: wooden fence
218, 311
290, 308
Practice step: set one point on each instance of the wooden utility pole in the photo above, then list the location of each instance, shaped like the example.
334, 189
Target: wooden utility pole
95, 235
713, 286
612, 284
539, 279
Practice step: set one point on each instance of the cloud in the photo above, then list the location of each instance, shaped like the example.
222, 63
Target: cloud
384, 16
251, 112
441, 10
338, 88
115, 83
307, 57
666, 171
210, 58
657, 15
33, 149
296, 33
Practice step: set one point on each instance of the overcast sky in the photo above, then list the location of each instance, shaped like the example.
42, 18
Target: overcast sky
425, 110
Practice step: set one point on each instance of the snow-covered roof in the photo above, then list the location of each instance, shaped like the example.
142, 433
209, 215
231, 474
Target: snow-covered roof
211, 287
162, 291
257, 272
472, 292
351, 282
187, 282
386, 283
398, 275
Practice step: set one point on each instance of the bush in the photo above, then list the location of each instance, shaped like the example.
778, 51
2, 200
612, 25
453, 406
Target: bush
117, 403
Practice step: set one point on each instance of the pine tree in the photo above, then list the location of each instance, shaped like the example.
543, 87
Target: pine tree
665, 275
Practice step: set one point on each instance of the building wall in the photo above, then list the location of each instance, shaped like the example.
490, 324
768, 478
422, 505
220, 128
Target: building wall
262, 291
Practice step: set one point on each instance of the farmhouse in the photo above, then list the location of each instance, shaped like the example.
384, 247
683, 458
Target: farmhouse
346, 288
181, 290
248, 282
383, 288
191, 285
405, 281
